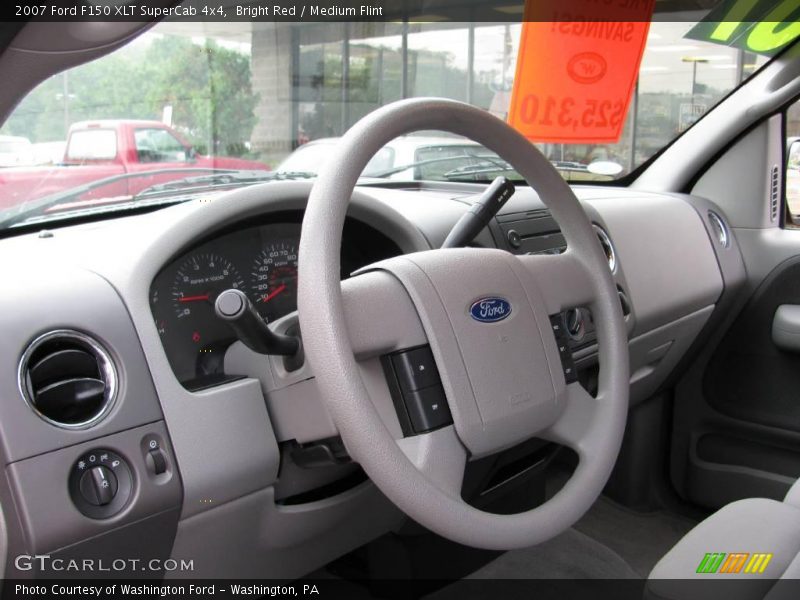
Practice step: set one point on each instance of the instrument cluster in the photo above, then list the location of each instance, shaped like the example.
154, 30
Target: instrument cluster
261, 261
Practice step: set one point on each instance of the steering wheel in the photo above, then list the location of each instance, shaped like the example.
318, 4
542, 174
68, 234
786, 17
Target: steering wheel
503, 380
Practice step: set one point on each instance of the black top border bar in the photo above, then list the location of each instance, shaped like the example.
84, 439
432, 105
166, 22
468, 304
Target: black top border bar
413, 11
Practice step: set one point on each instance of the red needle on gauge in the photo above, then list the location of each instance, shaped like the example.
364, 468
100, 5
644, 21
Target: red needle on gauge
193, 298
274, 293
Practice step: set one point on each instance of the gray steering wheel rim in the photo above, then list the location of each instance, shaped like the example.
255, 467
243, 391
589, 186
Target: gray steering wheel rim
328, 349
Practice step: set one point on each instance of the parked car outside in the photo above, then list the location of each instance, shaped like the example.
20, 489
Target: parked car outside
49, 153
15, 151
100, 149
432, 158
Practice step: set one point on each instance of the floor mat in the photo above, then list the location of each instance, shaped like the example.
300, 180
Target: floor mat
571, 555
570, 558
609, 542
641, 539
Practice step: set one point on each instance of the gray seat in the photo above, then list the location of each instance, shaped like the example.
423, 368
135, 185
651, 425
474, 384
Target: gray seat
749, 548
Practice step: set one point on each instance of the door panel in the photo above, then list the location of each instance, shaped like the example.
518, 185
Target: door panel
750, 378
736, 417
736, 425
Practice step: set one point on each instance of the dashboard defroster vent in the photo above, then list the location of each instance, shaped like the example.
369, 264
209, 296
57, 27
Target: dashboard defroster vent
68, 379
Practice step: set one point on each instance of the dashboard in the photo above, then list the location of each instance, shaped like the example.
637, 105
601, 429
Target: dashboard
238, 482
261, 261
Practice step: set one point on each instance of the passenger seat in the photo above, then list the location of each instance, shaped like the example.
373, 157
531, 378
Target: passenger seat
759, 540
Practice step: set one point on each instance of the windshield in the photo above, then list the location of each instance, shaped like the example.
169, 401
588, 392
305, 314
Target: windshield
187, 99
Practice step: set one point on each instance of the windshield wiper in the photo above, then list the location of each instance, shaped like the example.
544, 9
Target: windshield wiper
220, 179
501, 166
21, 212
474, 170
189, 183
433, 161
211, 179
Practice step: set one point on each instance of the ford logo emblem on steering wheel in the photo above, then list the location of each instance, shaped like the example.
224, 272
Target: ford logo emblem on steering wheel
490, 309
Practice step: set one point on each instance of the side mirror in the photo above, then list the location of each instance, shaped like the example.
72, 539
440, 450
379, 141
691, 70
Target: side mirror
191, 154
793, 176
604, 167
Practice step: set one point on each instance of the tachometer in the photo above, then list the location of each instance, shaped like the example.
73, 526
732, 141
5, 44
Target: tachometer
275, 279
199, 281
182, 299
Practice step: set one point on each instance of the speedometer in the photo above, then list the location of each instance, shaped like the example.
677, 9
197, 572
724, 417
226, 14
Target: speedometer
275, 279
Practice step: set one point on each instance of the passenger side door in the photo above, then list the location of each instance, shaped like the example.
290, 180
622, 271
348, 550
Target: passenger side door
736, 421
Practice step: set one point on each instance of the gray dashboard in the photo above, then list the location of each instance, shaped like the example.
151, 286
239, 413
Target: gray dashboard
232, 499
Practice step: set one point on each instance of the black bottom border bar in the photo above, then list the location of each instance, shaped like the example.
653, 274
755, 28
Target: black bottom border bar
466, 589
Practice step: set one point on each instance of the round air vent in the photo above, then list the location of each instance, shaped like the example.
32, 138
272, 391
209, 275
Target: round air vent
608, 247
68, 379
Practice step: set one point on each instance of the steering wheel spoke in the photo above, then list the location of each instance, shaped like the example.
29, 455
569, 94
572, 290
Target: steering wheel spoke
379, 315
574, 427
440, 456
561, 279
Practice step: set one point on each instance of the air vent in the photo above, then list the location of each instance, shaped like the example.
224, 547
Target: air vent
774, 193
719, 228
608, 247
68, 379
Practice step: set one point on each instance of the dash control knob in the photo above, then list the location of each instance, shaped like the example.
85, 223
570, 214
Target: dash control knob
100, 483
98, 486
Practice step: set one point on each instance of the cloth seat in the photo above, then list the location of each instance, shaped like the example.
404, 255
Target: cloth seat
739, 553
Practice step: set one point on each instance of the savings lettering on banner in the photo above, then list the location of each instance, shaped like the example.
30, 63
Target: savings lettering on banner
576, 71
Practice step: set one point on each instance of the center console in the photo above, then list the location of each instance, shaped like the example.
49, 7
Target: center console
536, 232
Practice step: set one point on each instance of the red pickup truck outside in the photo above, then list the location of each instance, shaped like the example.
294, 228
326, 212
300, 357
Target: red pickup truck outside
99, 149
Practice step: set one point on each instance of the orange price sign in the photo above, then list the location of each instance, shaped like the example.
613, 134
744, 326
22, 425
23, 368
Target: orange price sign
576, 71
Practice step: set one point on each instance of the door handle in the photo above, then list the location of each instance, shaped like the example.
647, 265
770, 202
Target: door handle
786, 327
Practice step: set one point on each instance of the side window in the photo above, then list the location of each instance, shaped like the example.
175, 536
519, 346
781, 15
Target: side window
793, 162
92, 144
158, 145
